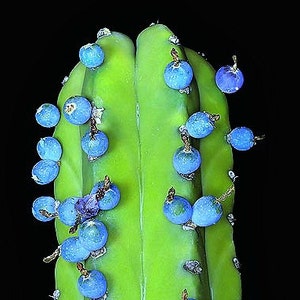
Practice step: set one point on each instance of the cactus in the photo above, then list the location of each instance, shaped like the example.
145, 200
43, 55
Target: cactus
146, 256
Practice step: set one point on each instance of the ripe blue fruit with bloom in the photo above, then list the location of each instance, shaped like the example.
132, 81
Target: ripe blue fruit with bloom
72, 250
49, 148
46, 203
178, 210
111, 196
77, 110
67, 212
206, 211
178, 75
91, 55
200, 124
93, 285
241, 138
92, 234
186, 161
47, 115
229, 79
45, 171
94, 144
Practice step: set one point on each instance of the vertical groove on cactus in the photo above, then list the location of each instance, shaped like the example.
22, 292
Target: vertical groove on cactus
146, 256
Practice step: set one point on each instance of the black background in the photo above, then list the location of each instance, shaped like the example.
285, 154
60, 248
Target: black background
44, 40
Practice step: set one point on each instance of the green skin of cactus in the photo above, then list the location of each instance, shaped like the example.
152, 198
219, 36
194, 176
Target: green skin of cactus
145, 252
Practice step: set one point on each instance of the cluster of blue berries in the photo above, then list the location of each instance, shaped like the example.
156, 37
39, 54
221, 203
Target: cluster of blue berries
80, 214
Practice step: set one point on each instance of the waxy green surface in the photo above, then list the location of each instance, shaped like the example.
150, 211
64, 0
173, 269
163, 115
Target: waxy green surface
145, 252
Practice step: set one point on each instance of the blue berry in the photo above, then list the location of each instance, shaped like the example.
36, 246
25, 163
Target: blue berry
108, 194
186, 161
206, 211
94, 144
177, 209
45, 171
93, 285
47, 115
200, 124
178, 74
77, 110
91, 55
46, 204
49, 148
241, 138
229, 79
72, 250
92, 234
67, 212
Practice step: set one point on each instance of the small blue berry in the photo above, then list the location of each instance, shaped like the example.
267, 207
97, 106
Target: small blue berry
67, 212
229, 79
200, 124
72, 250
47, 115
92, 234
186, 161
45, 171
206, 211
108, 194
92, 286
47, 204
241, 138
77, 110
94, 144
178, 74
91, 55
177, 209
49, 148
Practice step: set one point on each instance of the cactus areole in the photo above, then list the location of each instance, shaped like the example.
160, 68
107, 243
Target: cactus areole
117, 168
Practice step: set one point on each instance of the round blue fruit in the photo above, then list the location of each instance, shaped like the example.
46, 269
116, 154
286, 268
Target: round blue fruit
46, 203
186, 161
47, 115
45, 171
92, 286
241, 138
94, 145
49, 148
77, 110
199, 125
229, 79
91, 55
206, 211
178, 210
72, 250
178, 75
67, 212
92, 234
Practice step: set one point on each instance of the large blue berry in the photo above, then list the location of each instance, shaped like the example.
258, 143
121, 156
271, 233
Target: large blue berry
91, 55
177, 209
229, 79
186, 161
92, 234
49, 148
44, 208
77, 110
206, 211
94, 144
92, 285
47, 115
45, 171
241, 138
72, 250
200, 124
178, 74
67, 212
